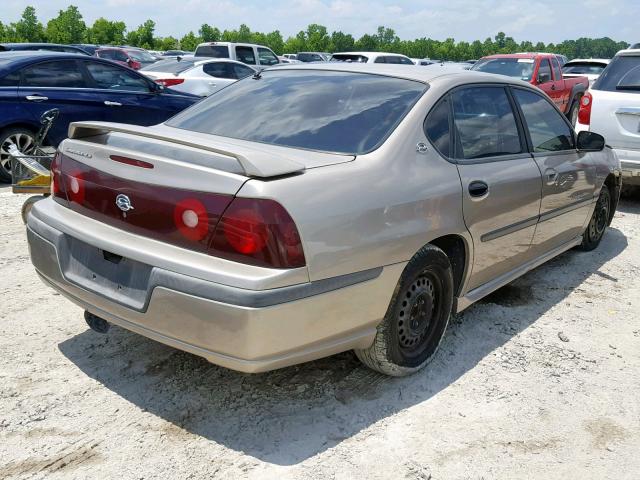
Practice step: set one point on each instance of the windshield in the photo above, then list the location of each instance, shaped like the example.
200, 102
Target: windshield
171, 66
584, 68
623, 73
214, 51
342, 112
345, 57
141, 56
521, 68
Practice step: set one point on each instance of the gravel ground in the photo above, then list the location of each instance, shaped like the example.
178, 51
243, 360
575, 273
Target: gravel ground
541, 380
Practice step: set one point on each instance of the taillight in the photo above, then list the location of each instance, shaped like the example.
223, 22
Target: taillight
75, 186
260, 232
191, 219
57, 182
169, 82
584, 114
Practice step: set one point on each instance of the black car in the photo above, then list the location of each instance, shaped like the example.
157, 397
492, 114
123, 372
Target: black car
48, 47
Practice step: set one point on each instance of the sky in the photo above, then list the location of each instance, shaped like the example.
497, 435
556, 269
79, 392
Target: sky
535, 20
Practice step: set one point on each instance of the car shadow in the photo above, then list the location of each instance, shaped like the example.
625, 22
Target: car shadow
288, 415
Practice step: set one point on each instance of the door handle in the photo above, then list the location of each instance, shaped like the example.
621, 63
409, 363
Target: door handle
112, 104
478, 189
36, 98
550, 176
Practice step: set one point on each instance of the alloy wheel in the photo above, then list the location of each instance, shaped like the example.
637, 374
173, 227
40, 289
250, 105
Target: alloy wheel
23, 141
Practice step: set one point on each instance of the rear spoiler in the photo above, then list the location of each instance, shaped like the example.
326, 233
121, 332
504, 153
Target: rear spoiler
254, 162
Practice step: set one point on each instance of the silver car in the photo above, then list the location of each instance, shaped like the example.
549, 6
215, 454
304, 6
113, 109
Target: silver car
315, 209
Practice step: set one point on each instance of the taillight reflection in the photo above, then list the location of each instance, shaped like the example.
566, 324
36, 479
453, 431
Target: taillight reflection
191, 219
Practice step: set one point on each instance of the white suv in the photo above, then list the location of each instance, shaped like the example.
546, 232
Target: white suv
371, 57
612, 108
248, 53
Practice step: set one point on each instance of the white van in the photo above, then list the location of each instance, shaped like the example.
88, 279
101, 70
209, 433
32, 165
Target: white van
248, 53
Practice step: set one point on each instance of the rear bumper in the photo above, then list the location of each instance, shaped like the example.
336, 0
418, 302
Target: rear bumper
241, 329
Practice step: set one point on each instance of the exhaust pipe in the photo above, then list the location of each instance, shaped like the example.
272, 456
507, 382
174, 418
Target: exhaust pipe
96, 323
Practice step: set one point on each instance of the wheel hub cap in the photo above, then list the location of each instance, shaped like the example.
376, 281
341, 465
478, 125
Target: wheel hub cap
416, 314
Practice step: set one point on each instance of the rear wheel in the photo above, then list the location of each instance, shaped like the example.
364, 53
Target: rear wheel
20, 137
599, 220
417, 317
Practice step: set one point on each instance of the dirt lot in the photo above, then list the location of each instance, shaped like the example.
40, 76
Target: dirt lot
542, 380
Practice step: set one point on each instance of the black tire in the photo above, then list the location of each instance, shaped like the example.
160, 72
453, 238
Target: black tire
26, 206
572, 114
23, 138
414, 325
599, 221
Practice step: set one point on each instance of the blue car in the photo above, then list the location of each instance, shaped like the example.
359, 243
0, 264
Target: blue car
82, 88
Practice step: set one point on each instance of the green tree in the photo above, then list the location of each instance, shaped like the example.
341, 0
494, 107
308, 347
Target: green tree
317, 38
341, 42
209, 33
168, 43
274, 41
190, 41
296, 44
29, 28
67, 27
367, 43
106, 32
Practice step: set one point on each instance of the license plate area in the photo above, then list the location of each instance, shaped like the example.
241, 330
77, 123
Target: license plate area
107, 274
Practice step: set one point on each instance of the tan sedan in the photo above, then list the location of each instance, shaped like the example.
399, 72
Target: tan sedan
314, 209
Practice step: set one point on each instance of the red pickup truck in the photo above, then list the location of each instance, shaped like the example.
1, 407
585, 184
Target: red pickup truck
543, 71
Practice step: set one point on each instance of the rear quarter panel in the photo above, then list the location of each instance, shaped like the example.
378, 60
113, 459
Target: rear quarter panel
377, 210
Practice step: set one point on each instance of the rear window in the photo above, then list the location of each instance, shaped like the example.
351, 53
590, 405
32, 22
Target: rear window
171, 66
521, 68
309, 57
141, 56
349, 113
583, 68
345, 57
622, 74
215, 51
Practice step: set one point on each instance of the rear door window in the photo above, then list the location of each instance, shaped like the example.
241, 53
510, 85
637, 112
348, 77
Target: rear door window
557, 72
246, 55
485, 124
548, 130
436, 127
341, 112
267, 57
54, 74
241, 71
544, 72
621, 75
219, 70
113, 77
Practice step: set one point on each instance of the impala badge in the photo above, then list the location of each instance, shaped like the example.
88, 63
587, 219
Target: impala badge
123, 203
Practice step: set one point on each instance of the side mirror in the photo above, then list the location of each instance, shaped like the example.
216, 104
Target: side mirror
590, 142
544, 77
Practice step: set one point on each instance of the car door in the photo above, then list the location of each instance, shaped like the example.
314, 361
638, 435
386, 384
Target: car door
128, 97
218, 75
60, 84
546, 83
245, 55
568, 177
559, 88
267, 57
500, 180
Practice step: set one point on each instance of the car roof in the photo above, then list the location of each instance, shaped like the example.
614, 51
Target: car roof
629, 52
588, 60
416, 73
372, 54
519, 55
233, 43
19, 58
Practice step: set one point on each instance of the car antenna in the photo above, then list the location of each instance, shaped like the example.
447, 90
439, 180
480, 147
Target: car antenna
257, 75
